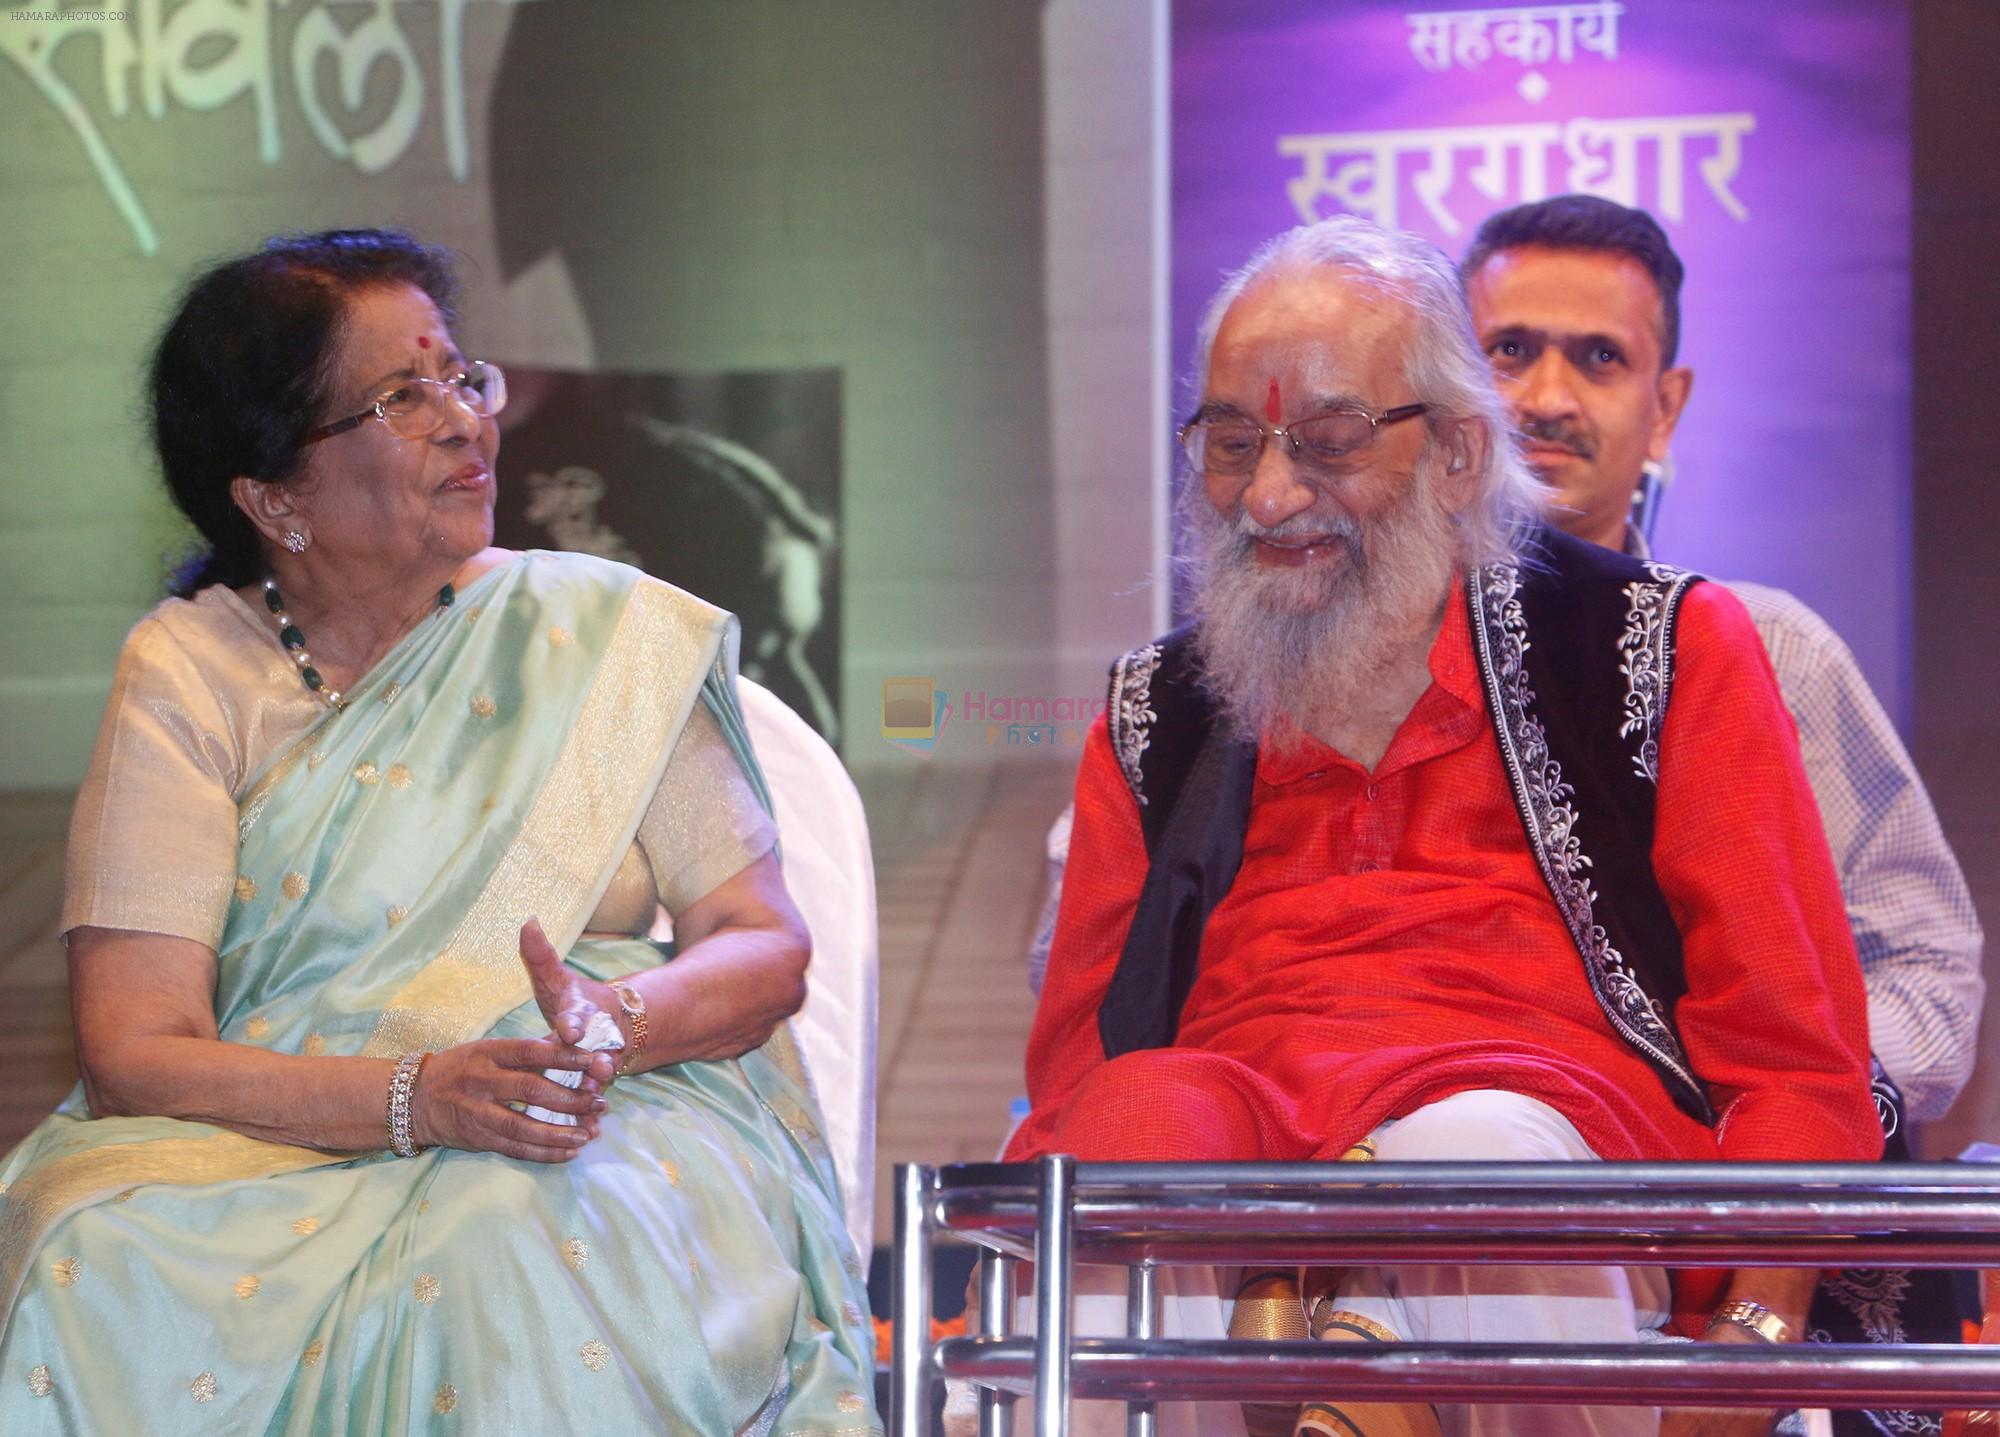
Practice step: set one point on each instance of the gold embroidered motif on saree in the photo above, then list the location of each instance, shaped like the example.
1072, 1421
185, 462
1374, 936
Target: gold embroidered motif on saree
672, 1170
400, 776
67, 1271
848, 1401
796, 1121
389, 694
446, 1399
397, 913
317, 758
257, 1029
315, 1350
425, 1289
40, 1383
247, 1285
576, 1252
246, 889
314, 1046
202, 1389
561, 637
596, 1356
367, 775
306, 1226
483, 706
296, 885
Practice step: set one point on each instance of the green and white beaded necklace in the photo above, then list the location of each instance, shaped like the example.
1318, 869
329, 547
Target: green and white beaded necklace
294, 640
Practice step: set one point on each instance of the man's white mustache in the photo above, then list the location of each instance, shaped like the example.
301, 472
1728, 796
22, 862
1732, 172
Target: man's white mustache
1300, 526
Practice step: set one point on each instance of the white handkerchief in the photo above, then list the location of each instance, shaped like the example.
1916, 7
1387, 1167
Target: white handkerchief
599, 1034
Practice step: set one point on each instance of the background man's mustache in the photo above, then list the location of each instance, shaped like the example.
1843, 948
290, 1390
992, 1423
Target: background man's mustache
1561, 433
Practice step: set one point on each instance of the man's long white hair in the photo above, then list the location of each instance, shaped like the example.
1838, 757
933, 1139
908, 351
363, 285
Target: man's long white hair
1445, 366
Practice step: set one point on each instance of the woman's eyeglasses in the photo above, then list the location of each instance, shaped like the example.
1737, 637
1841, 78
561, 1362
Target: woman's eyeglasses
416, 407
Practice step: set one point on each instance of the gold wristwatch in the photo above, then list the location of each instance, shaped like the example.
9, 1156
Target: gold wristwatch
1754, 1318
635, 1012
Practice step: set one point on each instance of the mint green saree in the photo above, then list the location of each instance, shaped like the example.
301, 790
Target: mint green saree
689, 1272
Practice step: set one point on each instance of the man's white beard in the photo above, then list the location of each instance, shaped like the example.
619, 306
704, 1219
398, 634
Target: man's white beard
1287, 651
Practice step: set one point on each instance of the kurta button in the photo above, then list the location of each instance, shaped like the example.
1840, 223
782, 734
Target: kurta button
1374, 791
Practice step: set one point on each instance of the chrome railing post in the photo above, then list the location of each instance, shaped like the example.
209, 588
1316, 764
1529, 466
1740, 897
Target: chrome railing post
910, 1303
1055, 1252
1142, 1321
996, 1319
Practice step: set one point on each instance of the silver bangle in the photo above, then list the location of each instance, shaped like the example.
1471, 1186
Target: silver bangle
401, 1087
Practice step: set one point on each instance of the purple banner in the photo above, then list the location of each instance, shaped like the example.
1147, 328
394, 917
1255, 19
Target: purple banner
1772, 142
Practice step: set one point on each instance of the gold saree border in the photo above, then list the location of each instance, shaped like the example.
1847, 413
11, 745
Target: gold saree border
580, 825
254, 802
36, 1202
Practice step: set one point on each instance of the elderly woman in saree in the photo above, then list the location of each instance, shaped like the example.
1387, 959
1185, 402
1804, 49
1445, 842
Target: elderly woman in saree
390, 1120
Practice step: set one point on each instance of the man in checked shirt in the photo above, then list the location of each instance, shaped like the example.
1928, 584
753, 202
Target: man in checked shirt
1576, 302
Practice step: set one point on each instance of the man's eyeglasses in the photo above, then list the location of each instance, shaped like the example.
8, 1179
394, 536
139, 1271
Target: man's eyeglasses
1231, 444
416, 407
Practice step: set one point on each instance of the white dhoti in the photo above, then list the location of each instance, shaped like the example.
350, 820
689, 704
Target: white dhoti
1419, 1304
1508, 1304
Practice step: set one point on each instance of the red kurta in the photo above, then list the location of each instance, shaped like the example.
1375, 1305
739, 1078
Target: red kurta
1389, 941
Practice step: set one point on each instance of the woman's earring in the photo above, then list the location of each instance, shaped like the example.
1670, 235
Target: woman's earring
295, 541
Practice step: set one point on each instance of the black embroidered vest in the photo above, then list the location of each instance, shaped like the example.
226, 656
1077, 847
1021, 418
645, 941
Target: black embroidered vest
1576, 650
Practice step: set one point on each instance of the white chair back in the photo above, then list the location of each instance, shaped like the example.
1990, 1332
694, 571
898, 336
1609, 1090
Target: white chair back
823, 836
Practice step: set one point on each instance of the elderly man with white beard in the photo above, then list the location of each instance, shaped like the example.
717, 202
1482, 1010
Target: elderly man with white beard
1438, 834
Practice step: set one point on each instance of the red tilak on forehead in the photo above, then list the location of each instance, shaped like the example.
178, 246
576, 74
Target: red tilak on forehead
1272, 406
423, 341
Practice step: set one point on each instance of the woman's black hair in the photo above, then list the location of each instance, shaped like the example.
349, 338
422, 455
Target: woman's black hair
240, 376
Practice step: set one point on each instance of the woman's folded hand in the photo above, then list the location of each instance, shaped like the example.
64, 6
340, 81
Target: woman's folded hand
566, 997
463, 1095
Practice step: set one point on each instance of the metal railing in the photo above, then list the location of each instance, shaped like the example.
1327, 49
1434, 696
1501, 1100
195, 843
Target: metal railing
1141, 1216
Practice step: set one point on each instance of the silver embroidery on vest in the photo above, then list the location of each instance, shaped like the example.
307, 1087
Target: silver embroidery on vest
1550, 820
1646, 658
1876, 1298
1131, 715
